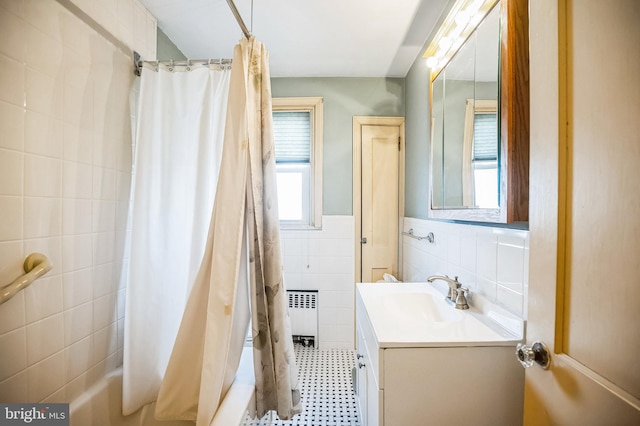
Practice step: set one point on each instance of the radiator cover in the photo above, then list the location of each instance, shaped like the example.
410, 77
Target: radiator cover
303, 312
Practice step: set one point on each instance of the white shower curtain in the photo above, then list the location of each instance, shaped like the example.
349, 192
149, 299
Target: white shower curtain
209, 342
178, 149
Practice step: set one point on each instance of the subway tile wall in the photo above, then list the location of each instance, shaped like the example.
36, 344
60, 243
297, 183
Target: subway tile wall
65, 160
323, 260
492, 262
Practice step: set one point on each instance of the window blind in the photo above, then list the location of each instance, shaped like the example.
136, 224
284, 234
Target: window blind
292, 136
485, 137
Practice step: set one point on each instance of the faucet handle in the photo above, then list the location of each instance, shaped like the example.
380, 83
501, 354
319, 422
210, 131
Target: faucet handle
452, 295
461, 300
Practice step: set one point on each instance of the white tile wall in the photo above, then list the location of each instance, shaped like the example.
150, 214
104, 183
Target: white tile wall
323, 260
492, 262
65, 160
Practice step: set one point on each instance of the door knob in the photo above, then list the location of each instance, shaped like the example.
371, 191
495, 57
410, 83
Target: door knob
538, 353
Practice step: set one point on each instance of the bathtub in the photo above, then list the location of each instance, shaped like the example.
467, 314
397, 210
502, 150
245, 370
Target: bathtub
101, 405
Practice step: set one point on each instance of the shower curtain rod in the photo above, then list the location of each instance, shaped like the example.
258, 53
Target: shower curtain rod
236, 14
138, 63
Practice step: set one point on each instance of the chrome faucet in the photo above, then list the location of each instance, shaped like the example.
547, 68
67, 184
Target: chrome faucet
456, 291
454, 285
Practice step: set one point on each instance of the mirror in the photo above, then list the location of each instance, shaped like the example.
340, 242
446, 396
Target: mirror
469, 127
465, 133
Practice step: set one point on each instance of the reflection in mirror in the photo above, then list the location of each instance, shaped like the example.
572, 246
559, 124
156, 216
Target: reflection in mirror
465, 124
485, 137
437, 126
480, 168
459, 88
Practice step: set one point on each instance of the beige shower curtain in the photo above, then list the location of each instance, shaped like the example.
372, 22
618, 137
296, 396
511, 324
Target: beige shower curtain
209, 343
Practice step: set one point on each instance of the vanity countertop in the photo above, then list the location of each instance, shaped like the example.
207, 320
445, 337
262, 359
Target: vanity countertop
416, 315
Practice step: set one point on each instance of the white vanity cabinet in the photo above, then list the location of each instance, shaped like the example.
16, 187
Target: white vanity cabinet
425, 383
368, 392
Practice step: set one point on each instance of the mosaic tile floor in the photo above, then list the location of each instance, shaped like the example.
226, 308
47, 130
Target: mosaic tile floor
325, 385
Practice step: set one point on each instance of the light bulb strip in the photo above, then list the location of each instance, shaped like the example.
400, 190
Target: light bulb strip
462, 20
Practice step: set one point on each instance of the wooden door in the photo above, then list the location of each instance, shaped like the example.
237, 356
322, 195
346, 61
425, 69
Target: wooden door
379, 177
584, 290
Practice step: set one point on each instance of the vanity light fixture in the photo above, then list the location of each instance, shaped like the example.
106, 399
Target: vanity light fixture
464, 17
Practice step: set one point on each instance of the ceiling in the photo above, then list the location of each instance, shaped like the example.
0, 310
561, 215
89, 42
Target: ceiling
308, 38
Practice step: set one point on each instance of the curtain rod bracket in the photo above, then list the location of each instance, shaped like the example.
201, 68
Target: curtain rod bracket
137, 64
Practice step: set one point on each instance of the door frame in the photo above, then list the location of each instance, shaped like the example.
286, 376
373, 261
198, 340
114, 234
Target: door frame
358, 122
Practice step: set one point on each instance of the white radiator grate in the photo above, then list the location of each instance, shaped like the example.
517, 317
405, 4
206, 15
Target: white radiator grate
303, 311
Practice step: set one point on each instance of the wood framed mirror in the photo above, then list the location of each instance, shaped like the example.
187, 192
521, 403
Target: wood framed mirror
480, 113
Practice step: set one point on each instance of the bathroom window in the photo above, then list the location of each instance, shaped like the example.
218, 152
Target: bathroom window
297, 132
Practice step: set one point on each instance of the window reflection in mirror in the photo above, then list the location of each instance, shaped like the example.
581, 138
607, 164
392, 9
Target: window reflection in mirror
465, 125
486, 134
480, 180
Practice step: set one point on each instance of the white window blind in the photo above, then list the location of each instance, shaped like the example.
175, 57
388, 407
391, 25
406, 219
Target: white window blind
297, 131
292, 135
485, 137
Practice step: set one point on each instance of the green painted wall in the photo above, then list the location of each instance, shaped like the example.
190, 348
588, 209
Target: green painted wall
343, 99
417, 139
166, 50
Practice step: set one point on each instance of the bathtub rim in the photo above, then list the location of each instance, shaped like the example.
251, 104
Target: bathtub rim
239, 400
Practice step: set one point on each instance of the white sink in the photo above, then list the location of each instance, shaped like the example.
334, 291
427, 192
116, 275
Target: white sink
416, 315
417, 355
418, 307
